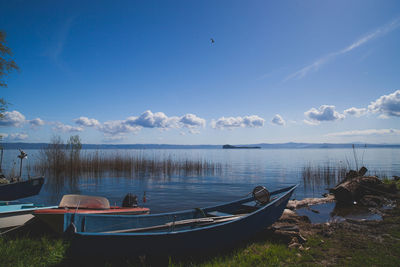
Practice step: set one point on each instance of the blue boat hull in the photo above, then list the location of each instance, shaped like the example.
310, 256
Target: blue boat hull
87, 241
14, 214
22, 189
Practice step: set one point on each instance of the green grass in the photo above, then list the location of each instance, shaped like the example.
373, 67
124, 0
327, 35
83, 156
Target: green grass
25, 251
264, 254
387, 180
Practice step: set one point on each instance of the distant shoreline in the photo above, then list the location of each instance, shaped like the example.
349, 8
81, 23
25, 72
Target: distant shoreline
169, 146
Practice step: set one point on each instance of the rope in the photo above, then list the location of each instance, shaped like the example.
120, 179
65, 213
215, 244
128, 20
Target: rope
200, 210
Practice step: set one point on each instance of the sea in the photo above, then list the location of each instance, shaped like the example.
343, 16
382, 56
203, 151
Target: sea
241, 171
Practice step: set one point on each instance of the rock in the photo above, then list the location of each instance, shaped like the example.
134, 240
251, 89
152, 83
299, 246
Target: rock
371, 201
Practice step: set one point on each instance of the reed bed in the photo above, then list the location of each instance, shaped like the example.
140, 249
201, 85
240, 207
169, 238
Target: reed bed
323, 175
119, 164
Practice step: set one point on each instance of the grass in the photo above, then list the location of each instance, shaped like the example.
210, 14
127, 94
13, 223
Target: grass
26, 251
387, 180
261, 254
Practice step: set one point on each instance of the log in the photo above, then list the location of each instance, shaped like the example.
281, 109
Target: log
354, 189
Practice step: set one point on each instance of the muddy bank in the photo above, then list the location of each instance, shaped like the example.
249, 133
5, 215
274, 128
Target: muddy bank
295, 230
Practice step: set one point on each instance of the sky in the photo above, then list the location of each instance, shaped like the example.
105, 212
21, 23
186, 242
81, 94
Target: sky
203, 72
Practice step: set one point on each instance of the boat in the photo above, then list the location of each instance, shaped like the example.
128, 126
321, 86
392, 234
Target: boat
183, 233
14, 214
81, 204
16, 188
21, 189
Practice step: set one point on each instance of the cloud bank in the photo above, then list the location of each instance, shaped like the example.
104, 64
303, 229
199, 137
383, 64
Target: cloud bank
60, 127
356, 112
367, 132
252, 121
117, 129
86, 122
12, 119
14, 136
324, 113
387, 105
278, 120
36, 122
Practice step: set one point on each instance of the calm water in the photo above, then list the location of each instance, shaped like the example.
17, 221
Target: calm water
243, 170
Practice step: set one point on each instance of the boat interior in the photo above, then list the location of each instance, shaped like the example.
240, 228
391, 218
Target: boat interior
166, 222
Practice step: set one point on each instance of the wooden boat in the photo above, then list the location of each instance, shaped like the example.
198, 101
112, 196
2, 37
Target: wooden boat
13, 214
182, 232
12, 189
81, 204
21, 189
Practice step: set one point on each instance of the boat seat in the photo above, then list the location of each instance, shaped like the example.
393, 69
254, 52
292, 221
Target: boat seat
218, 213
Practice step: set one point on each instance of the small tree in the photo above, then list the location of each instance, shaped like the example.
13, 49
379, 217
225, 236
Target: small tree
74, 147
55, 154
7, 65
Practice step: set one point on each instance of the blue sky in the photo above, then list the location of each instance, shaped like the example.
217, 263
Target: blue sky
147, 71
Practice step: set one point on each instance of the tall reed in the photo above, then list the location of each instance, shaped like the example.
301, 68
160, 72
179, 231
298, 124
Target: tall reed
96, 163
323, 175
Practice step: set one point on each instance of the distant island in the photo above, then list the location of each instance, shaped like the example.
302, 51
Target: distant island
240, 147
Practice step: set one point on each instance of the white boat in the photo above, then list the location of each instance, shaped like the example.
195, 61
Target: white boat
13, 214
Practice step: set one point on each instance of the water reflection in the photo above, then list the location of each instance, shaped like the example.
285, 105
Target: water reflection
239, 173
332, 212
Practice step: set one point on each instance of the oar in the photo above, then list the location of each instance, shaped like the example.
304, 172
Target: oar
203, 221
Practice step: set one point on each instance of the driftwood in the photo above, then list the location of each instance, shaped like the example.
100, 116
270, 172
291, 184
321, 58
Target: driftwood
355, 189
297, 204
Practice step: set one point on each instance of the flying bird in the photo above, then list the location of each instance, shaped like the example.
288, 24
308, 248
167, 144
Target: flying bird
212, 40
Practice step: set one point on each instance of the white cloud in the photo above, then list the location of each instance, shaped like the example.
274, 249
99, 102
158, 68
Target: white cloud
311, 122
116, 130
357, 112
367, 132
194, 131
114, 138
117, 127
12, 119
323, 60
149, 119
14, 136
387, 105
278, 120
252, 121
60, 127
86, 122
36, 122
191, 120
324, 113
